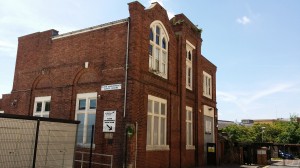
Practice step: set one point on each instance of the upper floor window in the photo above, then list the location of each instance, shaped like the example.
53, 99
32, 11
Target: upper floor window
189, 65
158, 49
207, 85
86, 104
42, 106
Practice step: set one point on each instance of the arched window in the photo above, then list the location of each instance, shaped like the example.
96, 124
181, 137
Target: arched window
189, 65
158, 49
151, 34
164, 43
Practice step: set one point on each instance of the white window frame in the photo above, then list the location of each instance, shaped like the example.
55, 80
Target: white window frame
189, 65
150, 124
42, 100
158, 61
189, 128
86, 112
207, 85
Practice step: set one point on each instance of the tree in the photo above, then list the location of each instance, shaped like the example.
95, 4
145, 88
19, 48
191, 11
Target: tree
278, 132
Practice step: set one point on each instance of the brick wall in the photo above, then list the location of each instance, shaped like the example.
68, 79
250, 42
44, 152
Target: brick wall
51, 65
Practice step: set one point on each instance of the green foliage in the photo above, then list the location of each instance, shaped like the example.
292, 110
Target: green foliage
278, 132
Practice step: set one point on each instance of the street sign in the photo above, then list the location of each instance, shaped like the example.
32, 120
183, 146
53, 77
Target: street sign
111, 87
109, 121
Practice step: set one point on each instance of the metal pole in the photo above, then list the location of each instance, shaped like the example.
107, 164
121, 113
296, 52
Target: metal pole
36, 143
91, 147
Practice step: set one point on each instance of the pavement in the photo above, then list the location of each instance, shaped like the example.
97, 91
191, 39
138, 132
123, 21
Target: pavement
274, 164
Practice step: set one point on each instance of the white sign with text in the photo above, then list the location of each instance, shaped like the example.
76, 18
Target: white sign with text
109, 121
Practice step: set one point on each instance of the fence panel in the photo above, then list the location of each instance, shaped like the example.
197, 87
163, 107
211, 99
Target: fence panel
16, 142
20, 147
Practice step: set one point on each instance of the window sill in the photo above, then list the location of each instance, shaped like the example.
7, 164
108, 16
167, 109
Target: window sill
157, 148
207, 96
189, 88
190, 147
80, 145
157, 73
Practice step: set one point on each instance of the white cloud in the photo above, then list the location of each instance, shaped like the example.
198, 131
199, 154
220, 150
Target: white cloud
226, 96
244, 20
249, 101
269, 91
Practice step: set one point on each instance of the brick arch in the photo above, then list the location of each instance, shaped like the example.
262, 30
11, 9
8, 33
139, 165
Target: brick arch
42, 81
89, 75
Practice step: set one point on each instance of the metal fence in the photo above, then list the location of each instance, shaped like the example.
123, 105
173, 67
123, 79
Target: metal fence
98, 159
27, 142
84, 156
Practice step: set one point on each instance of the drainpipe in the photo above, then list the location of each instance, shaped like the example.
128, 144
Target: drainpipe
136, 145
126, 70
125, 96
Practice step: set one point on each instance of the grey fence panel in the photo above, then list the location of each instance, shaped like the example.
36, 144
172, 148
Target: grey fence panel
56, 142
17, 139
56, 145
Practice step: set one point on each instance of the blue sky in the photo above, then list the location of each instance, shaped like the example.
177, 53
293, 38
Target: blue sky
255, 44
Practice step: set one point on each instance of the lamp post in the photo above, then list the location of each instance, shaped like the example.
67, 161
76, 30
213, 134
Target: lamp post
262, 134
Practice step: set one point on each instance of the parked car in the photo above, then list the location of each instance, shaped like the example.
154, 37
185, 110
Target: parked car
284, 155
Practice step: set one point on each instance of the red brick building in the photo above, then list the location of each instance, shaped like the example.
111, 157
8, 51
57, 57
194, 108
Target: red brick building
146, 69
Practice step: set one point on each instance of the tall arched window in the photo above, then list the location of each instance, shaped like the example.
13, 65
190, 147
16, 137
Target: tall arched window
189, 65
158, 49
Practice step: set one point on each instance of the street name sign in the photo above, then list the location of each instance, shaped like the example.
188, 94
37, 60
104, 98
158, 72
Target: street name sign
111, 87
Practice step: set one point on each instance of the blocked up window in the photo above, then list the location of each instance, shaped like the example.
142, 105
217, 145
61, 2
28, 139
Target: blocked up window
42, 106
208, 127
86, 104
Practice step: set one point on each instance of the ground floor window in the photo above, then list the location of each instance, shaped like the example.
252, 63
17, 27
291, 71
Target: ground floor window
157, 123
86, 104
42, 106
189, 128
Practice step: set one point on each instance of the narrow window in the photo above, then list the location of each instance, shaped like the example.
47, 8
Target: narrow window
157, 35
207, 85
86, 113
189, 77
39, 106
189, 128
157, 53
164, 63
189, 65
150, 56
164, 46
189, 56
151, 35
